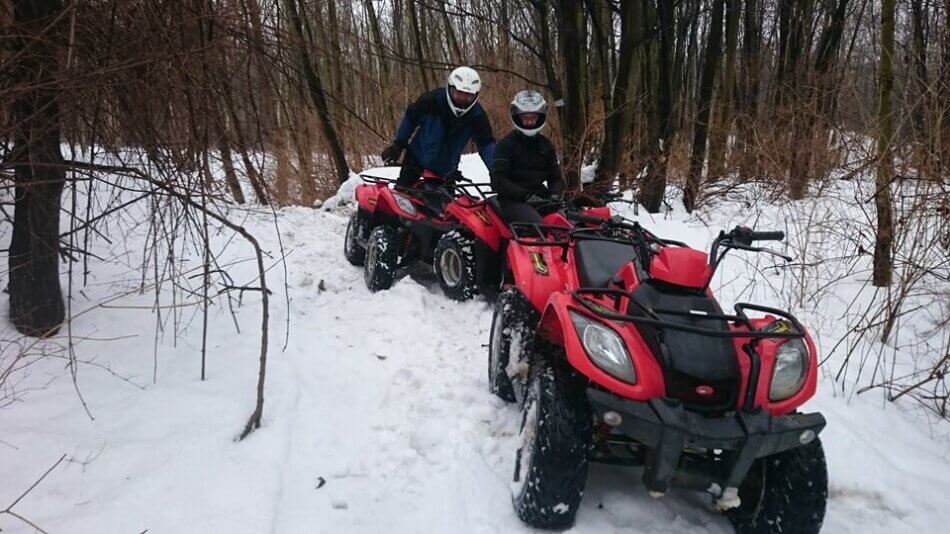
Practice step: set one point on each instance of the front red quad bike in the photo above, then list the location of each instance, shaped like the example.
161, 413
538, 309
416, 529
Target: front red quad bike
395, 226
619, 353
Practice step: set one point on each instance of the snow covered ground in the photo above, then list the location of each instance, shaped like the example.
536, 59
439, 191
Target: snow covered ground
377, 417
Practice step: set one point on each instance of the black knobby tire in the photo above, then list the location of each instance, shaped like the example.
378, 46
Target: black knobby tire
382, 258
786, 492
552, 460
454, 264
356, 231
512, 334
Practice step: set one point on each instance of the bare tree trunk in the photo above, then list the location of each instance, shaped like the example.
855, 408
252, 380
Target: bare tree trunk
227, 162
749, 88
882, 198
573, 38
458, 56
654, 185
619, 110
36, 298
698, 155
424, 79
722, 125
315, 86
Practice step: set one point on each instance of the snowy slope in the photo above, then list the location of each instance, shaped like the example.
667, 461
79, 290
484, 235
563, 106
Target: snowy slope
377, 416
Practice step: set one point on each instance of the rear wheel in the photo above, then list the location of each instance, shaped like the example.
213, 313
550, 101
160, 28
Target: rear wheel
784, 492
454, 264
382, 257
555, 439
356, 231
512, 333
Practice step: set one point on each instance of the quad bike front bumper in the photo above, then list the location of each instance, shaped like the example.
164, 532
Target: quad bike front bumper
672, 434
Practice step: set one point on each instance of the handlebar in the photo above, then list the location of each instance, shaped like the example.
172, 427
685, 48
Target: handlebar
768, 236
582, 218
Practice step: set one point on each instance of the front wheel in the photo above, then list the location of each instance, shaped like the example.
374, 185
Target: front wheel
512, 333
382, 257
356, 231
786, 491
555, 439
454, 264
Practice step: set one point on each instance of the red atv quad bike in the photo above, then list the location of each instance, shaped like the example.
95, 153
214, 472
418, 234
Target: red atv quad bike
395, 226
619, 353
470, 259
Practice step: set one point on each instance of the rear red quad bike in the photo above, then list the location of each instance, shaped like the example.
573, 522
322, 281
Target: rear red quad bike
470, 259
395, 226
619, 353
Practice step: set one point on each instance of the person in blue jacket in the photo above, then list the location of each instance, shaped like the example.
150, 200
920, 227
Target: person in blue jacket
438, 125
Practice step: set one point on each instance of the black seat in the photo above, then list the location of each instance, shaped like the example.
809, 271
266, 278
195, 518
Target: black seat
599, 261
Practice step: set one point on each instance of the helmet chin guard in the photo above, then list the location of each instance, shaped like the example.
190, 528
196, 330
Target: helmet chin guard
465, 83
525, 102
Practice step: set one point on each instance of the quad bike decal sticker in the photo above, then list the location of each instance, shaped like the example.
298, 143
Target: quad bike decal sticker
483, 217
540, 266
778, 327
371, 201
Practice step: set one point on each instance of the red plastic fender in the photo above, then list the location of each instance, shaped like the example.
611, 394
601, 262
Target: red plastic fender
681, 266
367, 196
480, 220
766, 349
538, 271
556, 324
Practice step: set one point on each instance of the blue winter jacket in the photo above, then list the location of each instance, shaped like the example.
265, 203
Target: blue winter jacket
440, 136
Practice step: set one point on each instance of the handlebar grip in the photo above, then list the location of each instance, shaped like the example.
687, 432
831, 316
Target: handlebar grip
768, 236
582, 218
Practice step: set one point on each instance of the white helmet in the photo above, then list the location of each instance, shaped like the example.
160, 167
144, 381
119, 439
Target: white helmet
461, 90
529, 102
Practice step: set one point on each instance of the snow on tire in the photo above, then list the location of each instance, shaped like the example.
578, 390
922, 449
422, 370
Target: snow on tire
382, 257
510, 342
354, 252
554, 442
454, 264
785, 492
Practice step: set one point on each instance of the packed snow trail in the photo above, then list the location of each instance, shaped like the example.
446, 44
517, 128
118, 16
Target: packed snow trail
377, 418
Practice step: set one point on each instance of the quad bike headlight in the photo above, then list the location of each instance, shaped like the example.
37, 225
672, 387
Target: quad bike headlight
605, 348
405, 204
791, 365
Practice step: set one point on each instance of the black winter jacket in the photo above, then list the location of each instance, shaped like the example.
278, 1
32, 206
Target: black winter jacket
522, 166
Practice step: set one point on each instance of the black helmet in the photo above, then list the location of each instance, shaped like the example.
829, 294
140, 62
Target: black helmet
529, 103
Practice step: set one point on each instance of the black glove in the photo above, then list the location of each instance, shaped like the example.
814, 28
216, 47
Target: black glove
393, 152
455, 176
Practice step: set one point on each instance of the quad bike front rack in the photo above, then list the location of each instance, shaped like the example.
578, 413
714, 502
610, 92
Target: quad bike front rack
652, 318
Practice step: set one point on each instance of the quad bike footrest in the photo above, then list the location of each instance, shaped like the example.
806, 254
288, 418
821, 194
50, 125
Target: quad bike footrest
667, 428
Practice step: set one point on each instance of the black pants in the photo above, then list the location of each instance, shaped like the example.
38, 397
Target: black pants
515, 211
410, 171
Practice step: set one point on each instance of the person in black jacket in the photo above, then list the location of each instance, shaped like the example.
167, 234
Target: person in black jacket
438, 125
525, 170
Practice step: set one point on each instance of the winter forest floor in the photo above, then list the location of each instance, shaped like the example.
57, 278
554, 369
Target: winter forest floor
377, 414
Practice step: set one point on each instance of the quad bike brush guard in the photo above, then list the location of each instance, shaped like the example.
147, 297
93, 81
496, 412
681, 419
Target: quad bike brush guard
619, 353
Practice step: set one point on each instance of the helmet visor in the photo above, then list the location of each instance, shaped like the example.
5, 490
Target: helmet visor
529, 121
461, 99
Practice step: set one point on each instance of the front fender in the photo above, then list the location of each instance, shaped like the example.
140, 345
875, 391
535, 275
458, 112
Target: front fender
481, 222
556, 325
